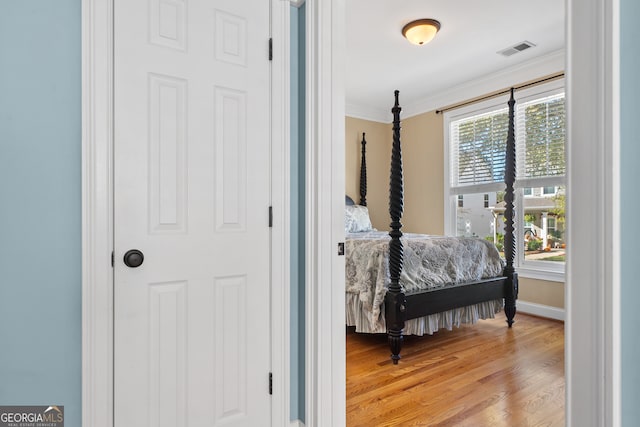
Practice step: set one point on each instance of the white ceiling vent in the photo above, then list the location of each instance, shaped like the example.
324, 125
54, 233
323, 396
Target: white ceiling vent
516, 48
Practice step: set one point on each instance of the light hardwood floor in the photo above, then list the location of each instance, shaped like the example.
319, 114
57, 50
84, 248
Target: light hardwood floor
477, 375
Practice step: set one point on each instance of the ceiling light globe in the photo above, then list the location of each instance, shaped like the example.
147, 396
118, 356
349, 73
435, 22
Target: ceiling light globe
421, 31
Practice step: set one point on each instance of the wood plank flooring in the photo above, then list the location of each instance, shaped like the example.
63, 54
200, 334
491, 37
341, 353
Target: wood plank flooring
476, 375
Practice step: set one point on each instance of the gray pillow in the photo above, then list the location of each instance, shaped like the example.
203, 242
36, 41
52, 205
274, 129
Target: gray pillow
356, 219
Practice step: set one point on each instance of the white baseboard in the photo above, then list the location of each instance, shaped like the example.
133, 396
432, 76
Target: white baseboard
540, 310
296, 423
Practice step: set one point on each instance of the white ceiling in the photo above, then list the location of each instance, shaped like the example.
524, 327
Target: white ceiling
379, 59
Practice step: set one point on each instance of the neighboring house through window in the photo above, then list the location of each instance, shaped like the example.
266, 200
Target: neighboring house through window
475, 146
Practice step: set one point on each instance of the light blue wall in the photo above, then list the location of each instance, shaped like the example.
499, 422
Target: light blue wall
40, 198
630, 208
297, 212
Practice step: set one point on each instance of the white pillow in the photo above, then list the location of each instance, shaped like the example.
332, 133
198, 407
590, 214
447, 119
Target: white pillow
356, 219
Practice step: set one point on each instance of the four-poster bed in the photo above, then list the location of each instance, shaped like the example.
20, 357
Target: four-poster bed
415, 284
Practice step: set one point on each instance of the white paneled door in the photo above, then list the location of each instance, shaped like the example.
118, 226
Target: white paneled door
191, 193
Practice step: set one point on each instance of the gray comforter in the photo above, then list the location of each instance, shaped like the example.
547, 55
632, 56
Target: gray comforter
429, 262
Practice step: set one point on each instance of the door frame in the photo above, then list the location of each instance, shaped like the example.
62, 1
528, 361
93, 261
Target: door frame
592, 290
97, 213
325, 359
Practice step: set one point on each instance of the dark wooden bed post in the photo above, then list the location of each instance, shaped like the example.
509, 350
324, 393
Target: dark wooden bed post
511, 291
394, 301
363, 173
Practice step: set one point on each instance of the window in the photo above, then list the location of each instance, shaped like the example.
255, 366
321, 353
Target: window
476, 137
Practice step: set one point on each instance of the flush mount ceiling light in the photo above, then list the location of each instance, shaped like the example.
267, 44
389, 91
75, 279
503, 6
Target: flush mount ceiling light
421, 31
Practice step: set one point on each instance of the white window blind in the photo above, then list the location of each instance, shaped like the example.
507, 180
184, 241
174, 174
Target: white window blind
540, 137
477, 149
476, 138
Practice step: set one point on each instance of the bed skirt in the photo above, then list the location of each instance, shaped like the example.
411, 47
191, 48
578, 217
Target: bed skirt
422, 325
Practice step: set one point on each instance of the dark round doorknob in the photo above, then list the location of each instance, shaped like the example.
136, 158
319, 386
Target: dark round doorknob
133, 258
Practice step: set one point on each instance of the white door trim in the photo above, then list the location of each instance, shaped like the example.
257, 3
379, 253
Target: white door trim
281, 202
593, 330
592, 336
325, 331
97, 218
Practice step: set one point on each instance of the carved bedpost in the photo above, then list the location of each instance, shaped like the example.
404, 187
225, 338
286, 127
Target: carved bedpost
363, 173
395, 303
511, 293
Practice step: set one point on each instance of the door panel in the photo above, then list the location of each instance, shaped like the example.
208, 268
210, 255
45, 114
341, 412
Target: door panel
191, 191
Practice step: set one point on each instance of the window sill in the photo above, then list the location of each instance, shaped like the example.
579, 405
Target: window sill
541, 274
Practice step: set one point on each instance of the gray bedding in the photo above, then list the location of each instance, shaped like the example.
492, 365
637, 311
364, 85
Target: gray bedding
429, 262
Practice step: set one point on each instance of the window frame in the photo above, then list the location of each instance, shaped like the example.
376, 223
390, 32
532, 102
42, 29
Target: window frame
544, 270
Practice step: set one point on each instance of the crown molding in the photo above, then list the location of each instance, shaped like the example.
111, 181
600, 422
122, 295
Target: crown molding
550, 63
370, 113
